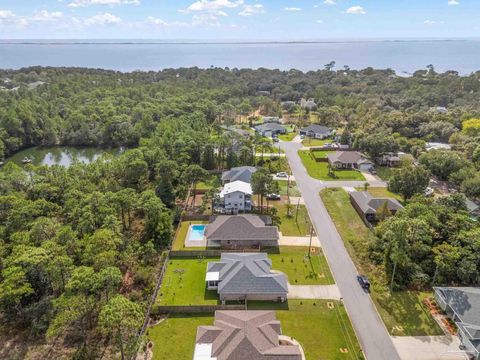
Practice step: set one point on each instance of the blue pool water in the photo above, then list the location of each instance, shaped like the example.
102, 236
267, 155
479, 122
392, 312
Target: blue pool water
196, 233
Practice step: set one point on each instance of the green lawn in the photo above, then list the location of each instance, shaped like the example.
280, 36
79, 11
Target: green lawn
179, 241
384, 172
319, 170
300, 269
292, 225
288, 136
174, 338
293, 188
315, 142
212, 182
184, 284
401, 309
321, 154
321, 331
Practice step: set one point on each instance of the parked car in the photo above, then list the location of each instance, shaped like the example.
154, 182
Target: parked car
302, 137
282, 174
273, 197
363, 281
428, 191
275, 139
373, 171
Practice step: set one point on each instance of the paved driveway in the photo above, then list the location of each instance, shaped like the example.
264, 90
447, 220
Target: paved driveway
371, 332
428, 348
298, 241
327, 292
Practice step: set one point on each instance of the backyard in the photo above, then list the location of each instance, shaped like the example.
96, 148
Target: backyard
179, 240
319, 170
213, 181
288, 136
300, 269
184, 283
322, 328
293, 191
308, 141
292, 225
402, 312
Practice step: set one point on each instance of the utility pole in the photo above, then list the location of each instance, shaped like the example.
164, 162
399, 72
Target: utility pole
310, 246
298, 205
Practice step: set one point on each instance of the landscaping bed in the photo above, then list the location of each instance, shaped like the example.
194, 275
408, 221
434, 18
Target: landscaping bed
300, 269
322, 330
402, 312
319, 170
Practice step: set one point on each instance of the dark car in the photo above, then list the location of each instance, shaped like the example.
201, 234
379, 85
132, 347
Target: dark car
363, 281
273, 197
373, 171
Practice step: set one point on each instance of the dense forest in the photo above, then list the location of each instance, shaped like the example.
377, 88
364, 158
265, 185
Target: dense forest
80, 246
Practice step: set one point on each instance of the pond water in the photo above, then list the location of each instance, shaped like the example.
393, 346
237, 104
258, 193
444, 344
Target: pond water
61, 155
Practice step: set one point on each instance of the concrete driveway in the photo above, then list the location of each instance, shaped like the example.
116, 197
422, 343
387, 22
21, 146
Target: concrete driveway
371, 332
428, 348
298, 241
328, 292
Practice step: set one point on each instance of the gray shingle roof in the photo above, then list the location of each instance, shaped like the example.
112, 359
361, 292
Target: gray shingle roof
346, 157
242, 173
317, 129
465, 301
270, 127
247, 274
240, 227
242, 335
369, 204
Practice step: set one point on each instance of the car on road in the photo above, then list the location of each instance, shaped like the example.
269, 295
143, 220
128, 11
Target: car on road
363, 281
273, 197
282, 174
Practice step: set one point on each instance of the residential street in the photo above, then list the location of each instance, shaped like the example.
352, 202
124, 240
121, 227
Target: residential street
371, 332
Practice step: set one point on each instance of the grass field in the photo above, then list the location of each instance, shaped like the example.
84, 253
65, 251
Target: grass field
320, 154
402, 312
315, 142
384, 172
179, 241
184, 284
212, 182
174, 338
293, 225
322, 331
319, 170
288, 136
294, 191
300, 269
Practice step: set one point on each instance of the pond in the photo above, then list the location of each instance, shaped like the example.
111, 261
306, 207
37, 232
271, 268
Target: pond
61, 155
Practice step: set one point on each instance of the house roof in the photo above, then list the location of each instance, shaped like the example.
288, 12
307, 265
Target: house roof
267, 119
240, 227
252, 335
317, 129
465, 302
271, 126
241, 273
347, 157
369, 204
471, 206
242, 173
235, 186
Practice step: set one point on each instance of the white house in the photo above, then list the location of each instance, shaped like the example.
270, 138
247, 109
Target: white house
236, 196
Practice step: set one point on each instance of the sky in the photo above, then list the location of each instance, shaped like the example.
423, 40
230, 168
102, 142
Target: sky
238, 19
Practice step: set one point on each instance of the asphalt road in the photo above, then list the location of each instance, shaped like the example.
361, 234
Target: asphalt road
371, 332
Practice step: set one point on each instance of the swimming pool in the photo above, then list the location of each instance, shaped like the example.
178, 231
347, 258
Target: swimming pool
196, 233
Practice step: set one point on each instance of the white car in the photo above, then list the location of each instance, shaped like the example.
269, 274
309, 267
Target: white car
282, 174
428, 191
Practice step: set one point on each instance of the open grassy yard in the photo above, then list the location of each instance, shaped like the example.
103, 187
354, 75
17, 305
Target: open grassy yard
402, 312
320, 154
184, 284
319, 170
292, 225
212, 182
174, 337
381, 192
288, 136
384, 172
315, 142
300, 269
179, 241
294, 191
322, 331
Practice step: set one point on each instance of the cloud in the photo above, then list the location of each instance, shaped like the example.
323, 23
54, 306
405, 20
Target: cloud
292, 9
319, 21
357, 10
432, 22
161, 23
250, 10
6, 14
85, 3
102, 19
45, 16
212, 5
330, 2
453, 2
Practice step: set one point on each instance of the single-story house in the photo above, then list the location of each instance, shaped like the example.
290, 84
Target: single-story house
243, 231
236, 196
390, 160
366, 205
271, 119
246, 276
308, 104
462, 305
242, 173
473, 208
270, 129
349, 160
242, 335
316, 131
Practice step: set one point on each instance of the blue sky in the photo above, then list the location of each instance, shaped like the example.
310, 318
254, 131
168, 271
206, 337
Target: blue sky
238, 19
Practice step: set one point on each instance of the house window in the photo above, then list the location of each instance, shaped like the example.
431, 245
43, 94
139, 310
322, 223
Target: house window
228, 196
241, 196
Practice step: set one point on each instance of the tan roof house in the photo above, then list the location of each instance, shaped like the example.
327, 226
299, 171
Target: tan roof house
245, 335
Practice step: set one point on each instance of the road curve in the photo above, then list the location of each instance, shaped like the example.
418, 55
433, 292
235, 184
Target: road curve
371, 332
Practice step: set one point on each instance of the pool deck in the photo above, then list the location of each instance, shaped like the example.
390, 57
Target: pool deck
196, 243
